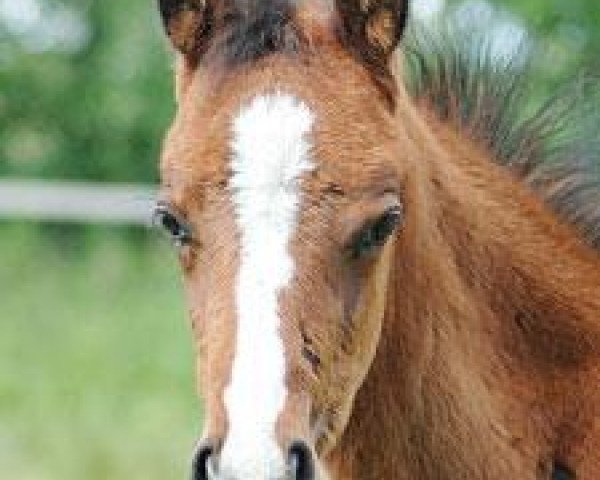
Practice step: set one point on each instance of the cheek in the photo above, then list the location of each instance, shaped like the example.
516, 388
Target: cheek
363, 290
196, 292
352, 280
210, 299
213, 325
348, 354
184, 75
187, 260
369, 310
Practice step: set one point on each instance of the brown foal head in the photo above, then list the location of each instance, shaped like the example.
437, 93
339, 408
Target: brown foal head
282, 189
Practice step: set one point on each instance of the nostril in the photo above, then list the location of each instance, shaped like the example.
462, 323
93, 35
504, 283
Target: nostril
301, 462
202, 466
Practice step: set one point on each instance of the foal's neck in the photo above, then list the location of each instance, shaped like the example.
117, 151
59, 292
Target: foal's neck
490, 324
514, 257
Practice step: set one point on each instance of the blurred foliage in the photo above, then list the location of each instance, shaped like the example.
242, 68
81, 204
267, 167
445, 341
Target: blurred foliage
85, 84
569, 32
566, 35
93, 107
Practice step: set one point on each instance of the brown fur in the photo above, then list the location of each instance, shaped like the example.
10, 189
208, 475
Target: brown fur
467, 348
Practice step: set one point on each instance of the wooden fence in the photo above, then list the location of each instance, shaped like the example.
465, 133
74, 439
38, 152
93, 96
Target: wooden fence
76, 202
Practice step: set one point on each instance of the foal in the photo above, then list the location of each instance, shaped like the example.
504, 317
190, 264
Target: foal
372, 297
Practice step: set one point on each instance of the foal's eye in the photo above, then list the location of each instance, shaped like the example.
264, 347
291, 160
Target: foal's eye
172, 225
375, 234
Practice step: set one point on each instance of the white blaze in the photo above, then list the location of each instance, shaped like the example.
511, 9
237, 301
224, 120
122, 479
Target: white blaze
271, 152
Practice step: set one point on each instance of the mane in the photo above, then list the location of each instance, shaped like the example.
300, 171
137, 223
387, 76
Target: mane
553, 148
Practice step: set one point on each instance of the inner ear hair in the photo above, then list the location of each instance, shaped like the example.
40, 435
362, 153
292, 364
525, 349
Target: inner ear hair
188, 24
373, 28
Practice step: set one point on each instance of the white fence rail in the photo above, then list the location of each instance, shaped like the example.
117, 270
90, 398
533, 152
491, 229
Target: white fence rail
76, 202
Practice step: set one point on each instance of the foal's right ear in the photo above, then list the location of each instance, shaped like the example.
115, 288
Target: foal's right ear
188, 25
373, 28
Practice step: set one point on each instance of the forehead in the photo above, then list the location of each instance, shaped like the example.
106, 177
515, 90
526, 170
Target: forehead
348, 135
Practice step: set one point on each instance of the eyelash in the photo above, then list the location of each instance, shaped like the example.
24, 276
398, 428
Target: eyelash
169, 222
376, 234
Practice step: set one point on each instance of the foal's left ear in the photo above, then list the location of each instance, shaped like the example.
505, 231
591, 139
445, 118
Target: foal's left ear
373, 28
187, 23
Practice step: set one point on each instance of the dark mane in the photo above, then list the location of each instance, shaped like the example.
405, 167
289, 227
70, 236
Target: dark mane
555, 148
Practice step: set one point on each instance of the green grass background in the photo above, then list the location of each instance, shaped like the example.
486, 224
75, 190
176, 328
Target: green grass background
96, 363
